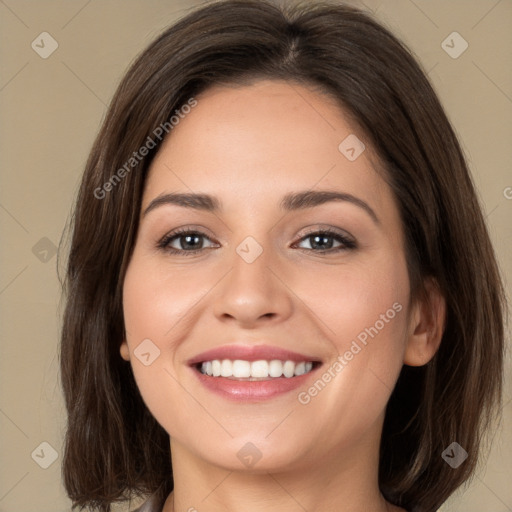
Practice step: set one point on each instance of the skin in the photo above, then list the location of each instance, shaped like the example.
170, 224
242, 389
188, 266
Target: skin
249, 146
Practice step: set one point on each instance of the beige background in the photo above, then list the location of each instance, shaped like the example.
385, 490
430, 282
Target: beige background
51, 110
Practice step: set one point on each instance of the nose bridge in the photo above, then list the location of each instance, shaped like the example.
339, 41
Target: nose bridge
251, 290
252, 261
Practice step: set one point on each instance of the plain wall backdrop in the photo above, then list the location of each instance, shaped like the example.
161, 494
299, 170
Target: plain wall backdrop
52, 105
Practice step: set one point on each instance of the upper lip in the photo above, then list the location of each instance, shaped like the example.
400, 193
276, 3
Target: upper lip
250, 353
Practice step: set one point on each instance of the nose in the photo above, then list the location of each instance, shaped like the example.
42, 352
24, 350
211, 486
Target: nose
254, 292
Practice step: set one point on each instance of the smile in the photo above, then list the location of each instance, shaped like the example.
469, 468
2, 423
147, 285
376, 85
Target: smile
251, 373
239, 369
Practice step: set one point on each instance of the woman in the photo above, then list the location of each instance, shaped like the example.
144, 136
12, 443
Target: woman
281, 293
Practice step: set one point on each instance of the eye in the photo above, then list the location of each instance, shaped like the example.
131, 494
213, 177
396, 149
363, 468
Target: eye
322, 241
187, 240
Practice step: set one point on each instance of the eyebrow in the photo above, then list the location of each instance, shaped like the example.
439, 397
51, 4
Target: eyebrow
290, 202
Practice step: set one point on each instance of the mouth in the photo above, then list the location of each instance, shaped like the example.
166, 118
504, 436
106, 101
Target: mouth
252, 373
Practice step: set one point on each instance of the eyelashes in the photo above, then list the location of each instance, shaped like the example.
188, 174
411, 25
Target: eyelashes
188, 240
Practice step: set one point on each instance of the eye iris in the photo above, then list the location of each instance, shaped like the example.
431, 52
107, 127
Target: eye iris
188, 239
317, 241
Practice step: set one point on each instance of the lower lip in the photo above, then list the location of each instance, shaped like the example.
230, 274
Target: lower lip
247, 391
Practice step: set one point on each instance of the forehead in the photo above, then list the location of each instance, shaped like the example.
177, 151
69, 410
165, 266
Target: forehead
260, 141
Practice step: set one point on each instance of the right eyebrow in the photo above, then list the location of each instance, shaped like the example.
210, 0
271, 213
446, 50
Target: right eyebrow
203, 202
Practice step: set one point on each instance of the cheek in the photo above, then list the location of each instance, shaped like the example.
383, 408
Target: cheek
160, 310
365, 311
364, 301
156, 299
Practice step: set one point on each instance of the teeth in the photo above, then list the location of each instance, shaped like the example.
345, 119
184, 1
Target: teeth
288, 368
275, 368
258, 369
216, 368
226, 368
300, 369
240, 369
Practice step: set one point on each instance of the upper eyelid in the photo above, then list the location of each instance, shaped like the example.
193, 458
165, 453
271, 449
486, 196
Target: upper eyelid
309, 230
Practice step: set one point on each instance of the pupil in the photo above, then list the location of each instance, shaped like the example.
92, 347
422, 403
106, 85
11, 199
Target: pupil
323, 238
188, 239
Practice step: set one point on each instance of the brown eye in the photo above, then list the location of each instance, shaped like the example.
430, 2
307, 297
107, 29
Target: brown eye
325, 240
187, 241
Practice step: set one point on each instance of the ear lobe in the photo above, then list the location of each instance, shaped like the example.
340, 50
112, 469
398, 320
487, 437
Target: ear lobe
124, 350
427, 326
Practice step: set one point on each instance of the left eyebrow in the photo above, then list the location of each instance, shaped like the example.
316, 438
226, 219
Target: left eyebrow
310, 198
290, 202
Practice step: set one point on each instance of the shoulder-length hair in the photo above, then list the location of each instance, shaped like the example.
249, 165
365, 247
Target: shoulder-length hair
114, 448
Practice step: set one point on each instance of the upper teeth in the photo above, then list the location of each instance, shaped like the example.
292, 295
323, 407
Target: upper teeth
255, 369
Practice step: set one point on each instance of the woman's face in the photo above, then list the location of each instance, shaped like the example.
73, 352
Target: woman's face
266, 283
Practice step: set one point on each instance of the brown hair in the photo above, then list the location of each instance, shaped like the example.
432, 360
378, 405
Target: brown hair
114, 448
